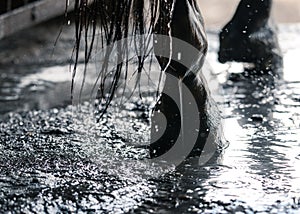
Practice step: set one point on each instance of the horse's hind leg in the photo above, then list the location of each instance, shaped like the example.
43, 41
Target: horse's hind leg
250, 37
184, 24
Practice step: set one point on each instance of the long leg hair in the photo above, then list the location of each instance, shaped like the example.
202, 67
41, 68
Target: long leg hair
116, 20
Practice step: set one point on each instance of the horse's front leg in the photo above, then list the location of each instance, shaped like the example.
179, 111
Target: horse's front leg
180, 46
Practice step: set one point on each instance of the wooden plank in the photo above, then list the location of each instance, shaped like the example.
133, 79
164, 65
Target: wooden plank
31, 14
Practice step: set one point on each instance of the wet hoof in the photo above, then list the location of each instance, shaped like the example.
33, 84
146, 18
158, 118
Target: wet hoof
181, 123
251, 37
166, 141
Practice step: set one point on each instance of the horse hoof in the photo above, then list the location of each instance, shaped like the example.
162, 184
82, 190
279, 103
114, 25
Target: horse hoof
251, 38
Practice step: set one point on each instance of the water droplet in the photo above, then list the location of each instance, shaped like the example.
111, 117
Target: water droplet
179, 56
189, 191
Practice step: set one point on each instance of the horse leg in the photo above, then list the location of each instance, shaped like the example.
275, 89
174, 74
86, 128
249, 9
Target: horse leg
250, 36
185, 23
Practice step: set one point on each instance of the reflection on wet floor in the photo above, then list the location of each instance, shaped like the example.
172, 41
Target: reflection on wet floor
56, 158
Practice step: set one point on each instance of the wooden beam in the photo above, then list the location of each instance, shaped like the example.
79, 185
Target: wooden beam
31, 14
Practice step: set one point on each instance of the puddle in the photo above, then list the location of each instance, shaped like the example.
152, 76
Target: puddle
55, 158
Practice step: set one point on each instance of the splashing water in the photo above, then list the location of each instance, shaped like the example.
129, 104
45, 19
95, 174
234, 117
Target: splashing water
58, 159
